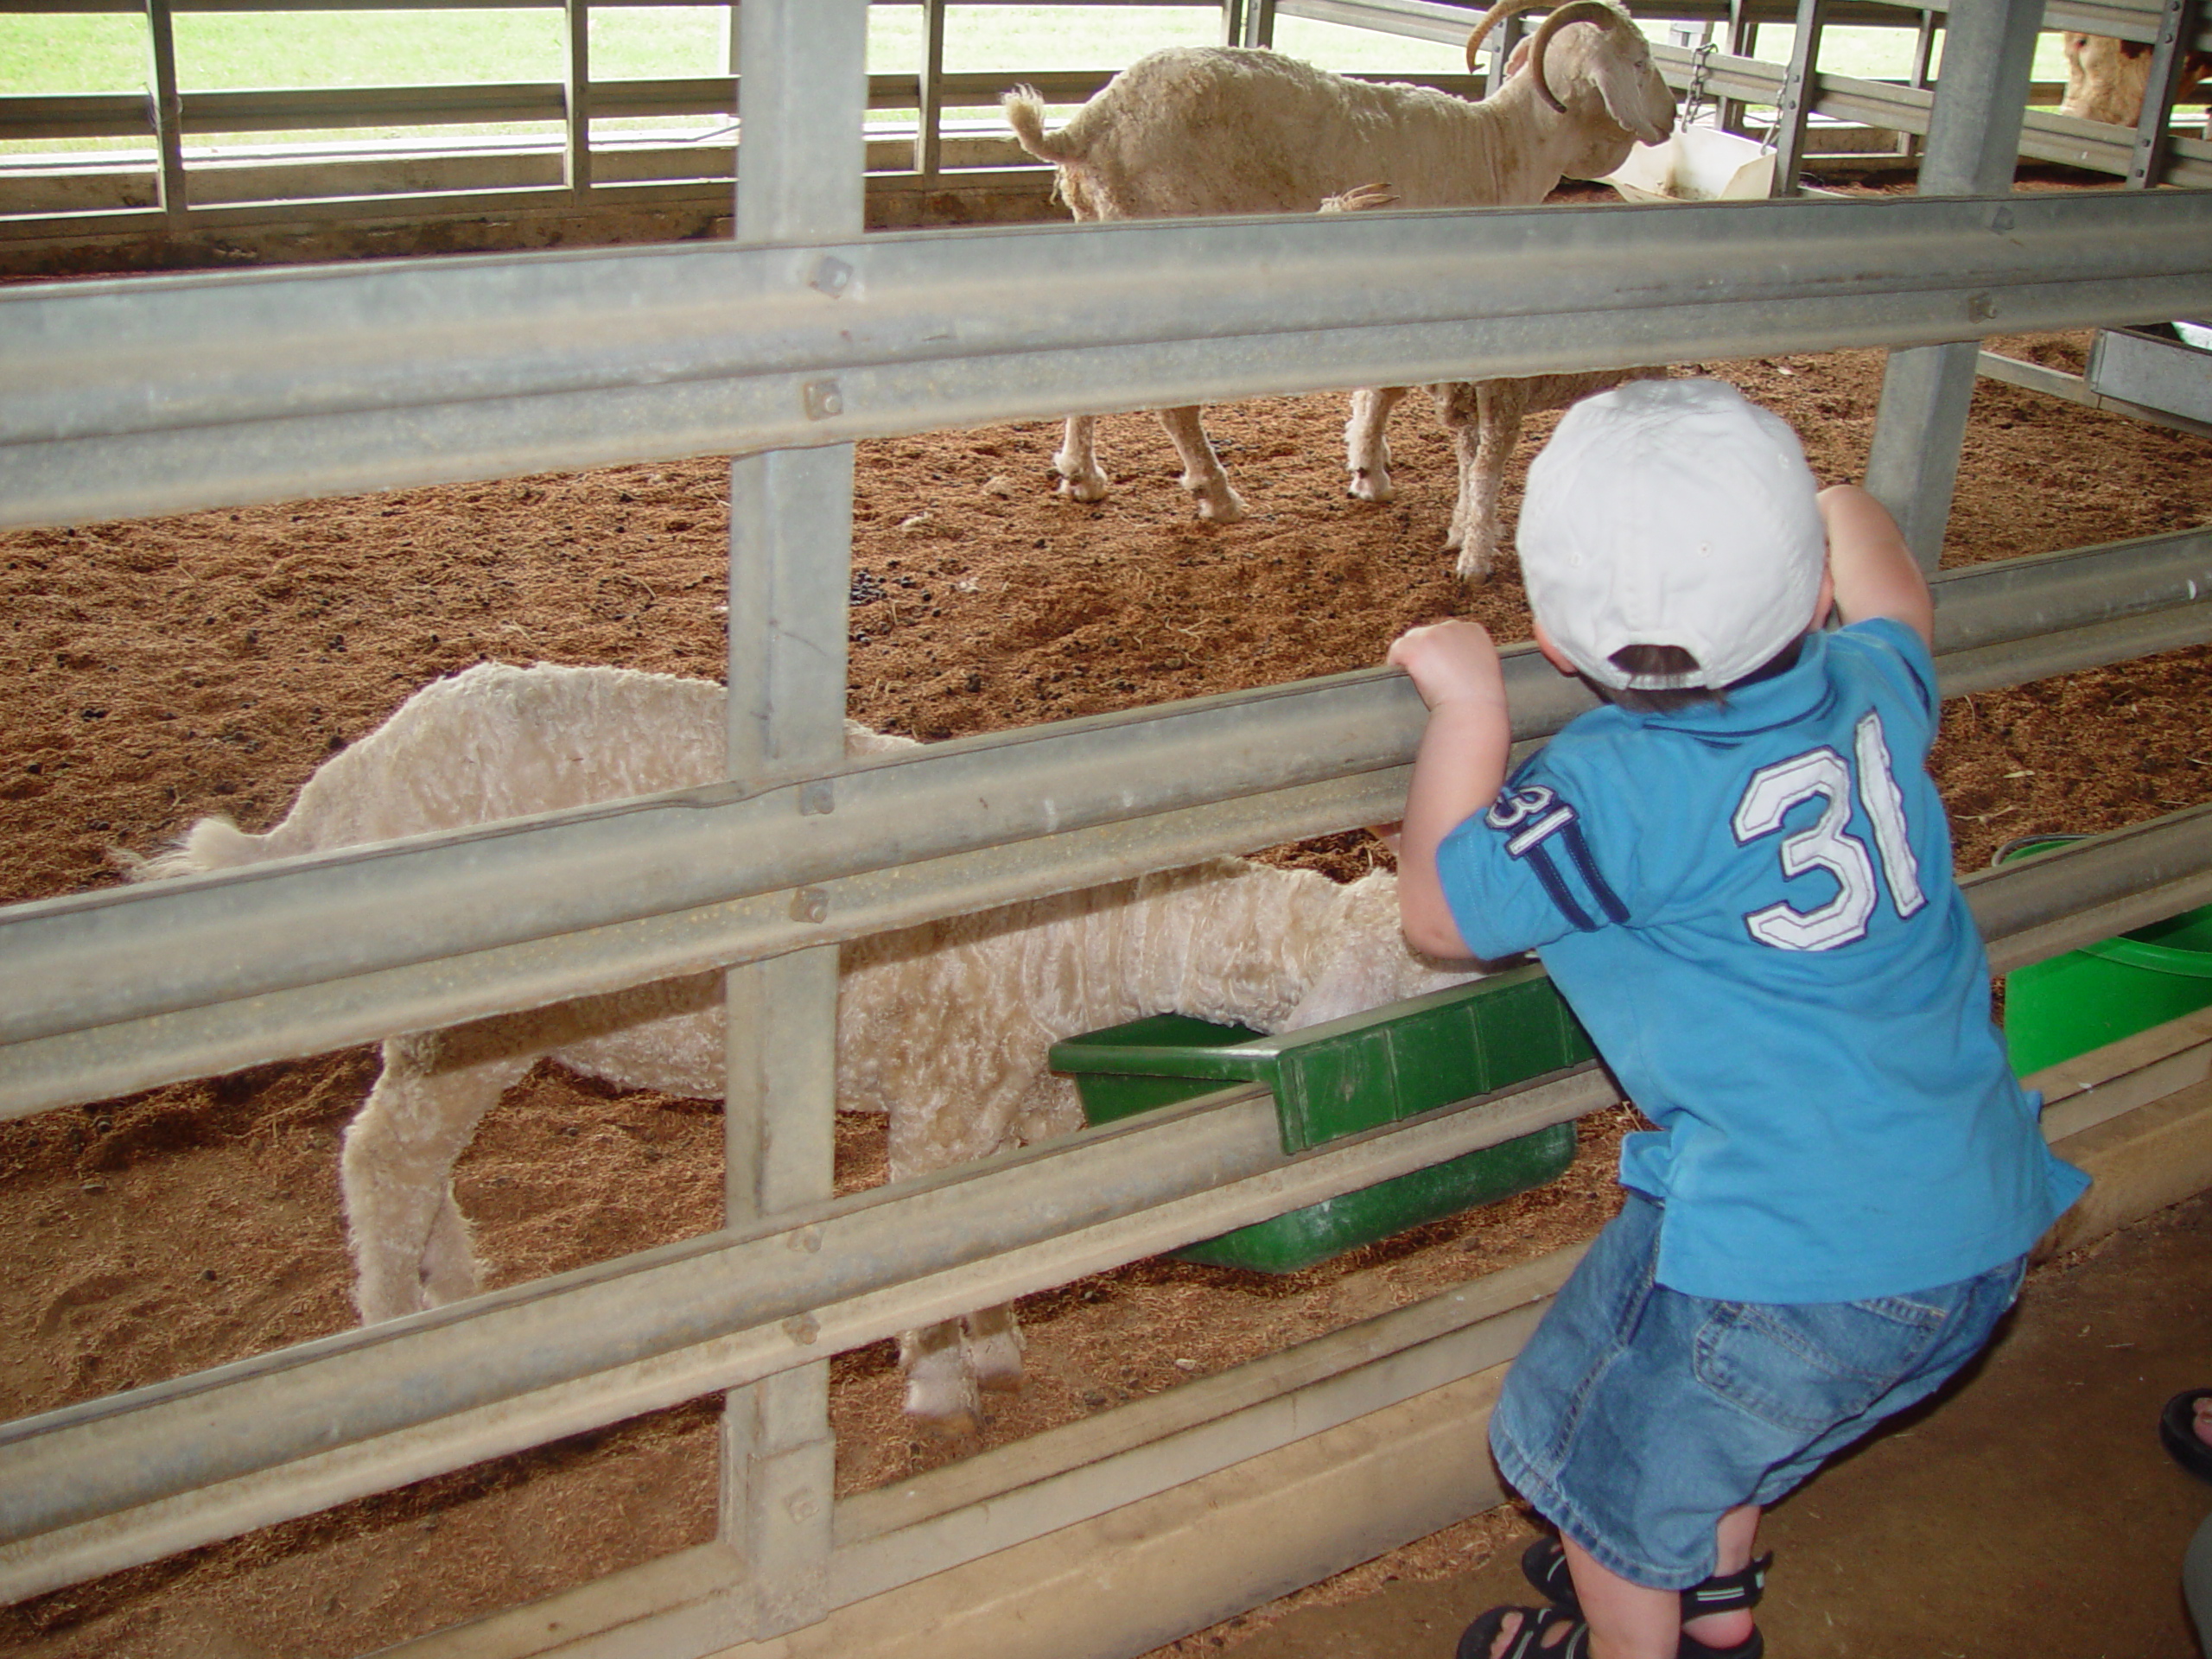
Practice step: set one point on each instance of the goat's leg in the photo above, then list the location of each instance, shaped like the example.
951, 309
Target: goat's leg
449, 1270
1081, 477
994, 1348
411, 1244
1483, 452
1457, 409
1004, 1085
994, 1341
1202, 470
940, 1390
1367, 450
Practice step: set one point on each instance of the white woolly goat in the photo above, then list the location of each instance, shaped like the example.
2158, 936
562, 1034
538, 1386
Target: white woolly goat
945, 1026
1482, 417
1226, 130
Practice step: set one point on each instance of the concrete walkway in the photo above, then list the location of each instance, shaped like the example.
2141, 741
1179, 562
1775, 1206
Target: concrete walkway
2030, 1511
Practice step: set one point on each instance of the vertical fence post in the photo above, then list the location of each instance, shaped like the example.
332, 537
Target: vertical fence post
929, 114
1924, 55
802, 96
737, 45
2147, 164
1506, 33
1973, 144
575, 17
1800, 91
1743, 40
1256, 24
168, 114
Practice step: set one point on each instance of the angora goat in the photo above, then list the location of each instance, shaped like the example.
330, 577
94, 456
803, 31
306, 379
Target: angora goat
945, 1026
1227, 129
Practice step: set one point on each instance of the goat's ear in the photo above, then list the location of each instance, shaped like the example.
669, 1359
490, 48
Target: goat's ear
1515, 58
1635, 96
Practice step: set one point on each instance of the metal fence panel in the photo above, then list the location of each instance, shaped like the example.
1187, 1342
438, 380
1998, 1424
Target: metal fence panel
157, 396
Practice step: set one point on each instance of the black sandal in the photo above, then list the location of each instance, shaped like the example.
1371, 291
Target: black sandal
1537, 1621
1544, 1564
1527, 1640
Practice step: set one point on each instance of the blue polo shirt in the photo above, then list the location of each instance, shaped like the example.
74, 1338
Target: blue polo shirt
1751, 909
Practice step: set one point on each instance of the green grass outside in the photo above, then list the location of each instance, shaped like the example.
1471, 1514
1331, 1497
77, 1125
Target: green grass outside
90, 53
224, 51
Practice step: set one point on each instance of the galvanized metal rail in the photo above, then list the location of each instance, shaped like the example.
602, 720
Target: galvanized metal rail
364, 1410
2075, 389
228, 200
116, 990
179, 392
93, 1487
2045, 136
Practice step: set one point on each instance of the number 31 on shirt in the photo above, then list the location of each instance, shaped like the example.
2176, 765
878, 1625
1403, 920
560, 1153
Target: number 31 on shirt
1824, 775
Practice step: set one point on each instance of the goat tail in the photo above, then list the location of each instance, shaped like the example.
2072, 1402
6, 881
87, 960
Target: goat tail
1025, 113
213, 843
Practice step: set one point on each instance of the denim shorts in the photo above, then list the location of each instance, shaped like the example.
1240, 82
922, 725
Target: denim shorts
1636, 1416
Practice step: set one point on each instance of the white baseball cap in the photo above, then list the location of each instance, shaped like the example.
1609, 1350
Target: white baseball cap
1671, 513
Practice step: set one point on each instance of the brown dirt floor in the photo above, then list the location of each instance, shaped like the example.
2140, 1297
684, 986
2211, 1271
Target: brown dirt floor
161, 669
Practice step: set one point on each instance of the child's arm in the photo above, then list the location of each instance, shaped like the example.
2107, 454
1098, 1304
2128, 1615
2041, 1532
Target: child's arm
1457, 772
1874, 571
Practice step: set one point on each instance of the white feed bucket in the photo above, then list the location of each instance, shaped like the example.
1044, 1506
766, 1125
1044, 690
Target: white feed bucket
1696, 164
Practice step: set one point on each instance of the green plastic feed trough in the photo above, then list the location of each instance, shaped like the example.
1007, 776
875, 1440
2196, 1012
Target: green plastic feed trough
1349, 1075
2069, 1004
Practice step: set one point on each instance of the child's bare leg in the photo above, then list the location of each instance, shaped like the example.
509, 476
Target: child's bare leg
1628, 1621
1735, 1534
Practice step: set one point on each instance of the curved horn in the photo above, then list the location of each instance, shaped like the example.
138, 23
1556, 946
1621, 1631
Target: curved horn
1575, 11
1496, 14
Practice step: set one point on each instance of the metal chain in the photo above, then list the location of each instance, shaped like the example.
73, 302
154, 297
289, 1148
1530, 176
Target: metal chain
1700, 65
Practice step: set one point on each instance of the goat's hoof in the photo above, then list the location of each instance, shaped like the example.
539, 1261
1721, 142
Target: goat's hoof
1224, 508
382, 1300
995, 1361
1367, 486
941, 1398
1089, 486
1472, 571
961, 1425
